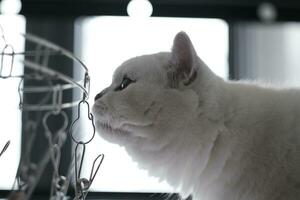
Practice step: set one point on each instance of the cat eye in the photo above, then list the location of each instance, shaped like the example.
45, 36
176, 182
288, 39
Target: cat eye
126, 81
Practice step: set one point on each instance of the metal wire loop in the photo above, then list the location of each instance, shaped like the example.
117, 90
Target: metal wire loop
61, 130
78, 189
37, 61
82, 185
93, 174
6, 48
57, 98
90, 117
51, 99
55, 158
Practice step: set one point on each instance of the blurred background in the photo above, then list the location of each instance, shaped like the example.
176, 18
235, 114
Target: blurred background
243, 39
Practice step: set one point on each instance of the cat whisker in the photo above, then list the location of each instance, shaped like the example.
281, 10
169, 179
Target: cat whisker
112, 130
146, 112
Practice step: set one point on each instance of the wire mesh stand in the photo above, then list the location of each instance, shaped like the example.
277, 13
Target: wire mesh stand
51, 104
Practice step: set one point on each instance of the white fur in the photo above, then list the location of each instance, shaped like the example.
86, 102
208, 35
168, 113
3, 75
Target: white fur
208, 137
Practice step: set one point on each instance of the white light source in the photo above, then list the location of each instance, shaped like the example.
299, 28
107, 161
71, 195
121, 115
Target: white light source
10, 116
267, 12
139, 8
10, 6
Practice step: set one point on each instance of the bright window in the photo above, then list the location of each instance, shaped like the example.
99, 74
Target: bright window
103, 43
10, 115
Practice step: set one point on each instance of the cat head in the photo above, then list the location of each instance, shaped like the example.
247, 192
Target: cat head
153, 96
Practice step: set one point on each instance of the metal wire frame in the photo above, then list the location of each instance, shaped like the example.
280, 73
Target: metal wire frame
43, 69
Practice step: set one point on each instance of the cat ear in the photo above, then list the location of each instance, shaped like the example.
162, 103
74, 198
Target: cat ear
183, 57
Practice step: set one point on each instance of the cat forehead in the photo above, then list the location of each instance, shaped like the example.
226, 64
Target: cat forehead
143, 65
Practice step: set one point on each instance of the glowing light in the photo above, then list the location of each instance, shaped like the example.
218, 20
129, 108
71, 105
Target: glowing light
139, 8
10, 116
267, 12
10, 6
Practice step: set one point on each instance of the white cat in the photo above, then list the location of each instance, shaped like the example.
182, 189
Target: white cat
214, 139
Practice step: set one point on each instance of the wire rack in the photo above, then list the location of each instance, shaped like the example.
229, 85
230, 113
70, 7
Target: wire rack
43, 87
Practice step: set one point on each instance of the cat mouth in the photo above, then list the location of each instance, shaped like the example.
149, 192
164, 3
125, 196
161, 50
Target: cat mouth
106, 127
126, 131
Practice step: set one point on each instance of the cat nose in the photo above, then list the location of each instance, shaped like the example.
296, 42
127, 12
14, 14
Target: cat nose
98, 96
103, 92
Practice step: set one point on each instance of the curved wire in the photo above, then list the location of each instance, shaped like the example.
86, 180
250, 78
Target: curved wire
91, 118
45, 122
7, 46
57, 48
53, 73
5, 147
78, 188
93, 174
41, 70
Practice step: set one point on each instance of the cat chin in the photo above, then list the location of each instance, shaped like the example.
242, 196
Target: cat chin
107, 129
107, 132
119, 136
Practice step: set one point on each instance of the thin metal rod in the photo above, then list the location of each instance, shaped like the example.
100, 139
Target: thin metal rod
27, 107
5, 147
91, 118
33, 53
29, 89
54, 73
36, 39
